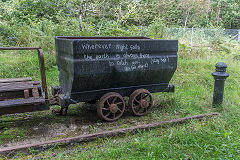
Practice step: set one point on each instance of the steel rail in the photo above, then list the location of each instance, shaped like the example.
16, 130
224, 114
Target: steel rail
90, 137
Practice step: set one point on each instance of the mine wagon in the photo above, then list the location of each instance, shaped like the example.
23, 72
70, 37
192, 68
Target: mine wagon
103, 70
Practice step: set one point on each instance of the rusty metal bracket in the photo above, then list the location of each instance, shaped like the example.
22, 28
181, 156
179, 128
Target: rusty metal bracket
41, 63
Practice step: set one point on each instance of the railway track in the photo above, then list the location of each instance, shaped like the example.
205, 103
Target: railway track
90, 137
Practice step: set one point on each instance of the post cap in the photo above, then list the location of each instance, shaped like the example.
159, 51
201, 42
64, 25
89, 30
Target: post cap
221, 67
220, 73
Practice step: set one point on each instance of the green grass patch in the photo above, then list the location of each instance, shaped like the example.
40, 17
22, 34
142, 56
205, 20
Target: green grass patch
217, 138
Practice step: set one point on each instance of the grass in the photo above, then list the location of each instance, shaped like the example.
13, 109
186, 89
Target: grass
217, 138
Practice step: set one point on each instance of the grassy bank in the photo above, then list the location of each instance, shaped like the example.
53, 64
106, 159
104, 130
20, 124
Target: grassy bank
35, 23
217, 138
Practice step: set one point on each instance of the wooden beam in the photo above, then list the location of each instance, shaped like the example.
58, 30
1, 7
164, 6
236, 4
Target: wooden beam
8, 80
21, 102
16, 86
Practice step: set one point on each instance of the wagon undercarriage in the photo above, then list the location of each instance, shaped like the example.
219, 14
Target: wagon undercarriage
140, 99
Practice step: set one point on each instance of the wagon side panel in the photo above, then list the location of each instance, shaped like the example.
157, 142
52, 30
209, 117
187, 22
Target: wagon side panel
114, 64
65, 63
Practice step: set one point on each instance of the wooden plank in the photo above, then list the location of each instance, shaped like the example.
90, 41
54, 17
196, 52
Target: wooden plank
21, 102
19, 48
11, 95
8, 80
15, 86
24, 108
35, 82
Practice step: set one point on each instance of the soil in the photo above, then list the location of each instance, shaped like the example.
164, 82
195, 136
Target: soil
81, 119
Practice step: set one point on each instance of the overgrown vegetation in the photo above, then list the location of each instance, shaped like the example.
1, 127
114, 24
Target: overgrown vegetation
36, 23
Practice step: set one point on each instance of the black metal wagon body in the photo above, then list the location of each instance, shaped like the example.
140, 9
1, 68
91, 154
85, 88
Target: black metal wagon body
90, 67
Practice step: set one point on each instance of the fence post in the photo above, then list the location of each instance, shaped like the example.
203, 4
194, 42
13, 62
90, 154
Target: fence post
239, 35
191, 41
191, 37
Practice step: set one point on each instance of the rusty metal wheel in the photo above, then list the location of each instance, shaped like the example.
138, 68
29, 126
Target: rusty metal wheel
140, 102
111, 106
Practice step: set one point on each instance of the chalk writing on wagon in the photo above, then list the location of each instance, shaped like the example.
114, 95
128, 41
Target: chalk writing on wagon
121, 47
130, 62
